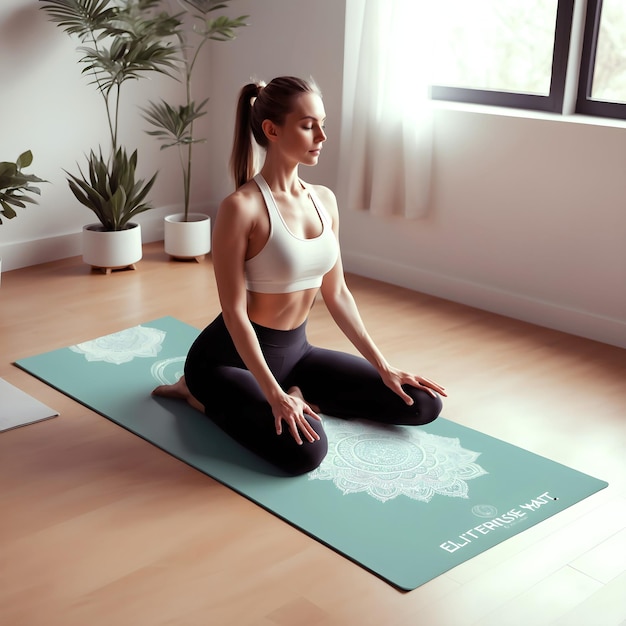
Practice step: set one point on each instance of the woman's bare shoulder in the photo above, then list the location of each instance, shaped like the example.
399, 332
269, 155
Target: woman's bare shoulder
328, 199
324, 193
243, 203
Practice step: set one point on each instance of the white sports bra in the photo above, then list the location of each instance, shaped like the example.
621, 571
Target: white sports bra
288, 263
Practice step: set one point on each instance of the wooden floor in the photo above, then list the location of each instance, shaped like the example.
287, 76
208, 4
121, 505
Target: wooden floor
98, 527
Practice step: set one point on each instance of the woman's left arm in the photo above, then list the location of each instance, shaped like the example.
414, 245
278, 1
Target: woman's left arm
344, 311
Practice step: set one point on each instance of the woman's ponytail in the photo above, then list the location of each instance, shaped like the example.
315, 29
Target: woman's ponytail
242, 156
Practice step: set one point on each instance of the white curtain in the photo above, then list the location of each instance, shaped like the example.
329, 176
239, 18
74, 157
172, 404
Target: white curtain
386, 140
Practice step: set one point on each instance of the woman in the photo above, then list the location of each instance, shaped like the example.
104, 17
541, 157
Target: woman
275, 246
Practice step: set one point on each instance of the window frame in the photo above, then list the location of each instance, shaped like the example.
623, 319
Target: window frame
585, 104
553, 102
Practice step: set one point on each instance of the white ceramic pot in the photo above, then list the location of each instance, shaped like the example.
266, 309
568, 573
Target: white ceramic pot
189, 239
111, 250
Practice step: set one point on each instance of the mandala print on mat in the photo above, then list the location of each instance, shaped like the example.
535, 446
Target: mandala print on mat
123, 347
390, 461
168, 371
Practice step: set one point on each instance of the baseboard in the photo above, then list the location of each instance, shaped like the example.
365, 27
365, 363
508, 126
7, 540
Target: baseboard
19, 254
546, 314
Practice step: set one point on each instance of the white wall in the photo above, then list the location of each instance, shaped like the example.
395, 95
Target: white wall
528, 216
528, 220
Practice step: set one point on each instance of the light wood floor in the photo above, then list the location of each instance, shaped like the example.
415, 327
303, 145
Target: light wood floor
98, 527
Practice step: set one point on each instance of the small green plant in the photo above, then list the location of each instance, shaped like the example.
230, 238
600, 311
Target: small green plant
111, 190
174, 124
15, 185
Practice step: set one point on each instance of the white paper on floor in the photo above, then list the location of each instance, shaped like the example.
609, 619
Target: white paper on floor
17, 408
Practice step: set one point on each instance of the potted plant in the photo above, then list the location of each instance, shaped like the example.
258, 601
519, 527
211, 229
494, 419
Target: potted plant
188, 235
121, 40
15, 187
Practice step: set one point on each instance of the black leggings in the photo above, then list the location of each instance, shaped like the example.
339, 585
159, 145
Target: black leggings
340, 384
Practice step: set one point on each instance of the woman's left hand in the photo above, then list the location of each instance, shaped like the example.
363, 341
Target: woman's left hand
395, 378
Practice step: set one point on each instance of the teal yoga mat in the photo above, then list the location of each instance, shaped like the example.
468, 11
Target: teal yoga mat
406, 503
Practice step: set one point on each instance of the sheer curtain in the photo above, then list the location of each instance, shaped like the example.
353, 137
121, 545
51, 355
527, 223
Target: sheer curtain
386, 147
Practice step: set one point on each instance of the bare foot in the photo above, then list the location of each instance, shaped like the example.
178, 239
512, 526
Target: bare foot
296, 392
178, 391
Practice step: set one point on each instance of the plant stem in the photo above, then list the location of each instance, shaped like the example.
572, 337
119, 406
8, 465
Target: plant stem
105, 97
118, 89
188, 72
186, 176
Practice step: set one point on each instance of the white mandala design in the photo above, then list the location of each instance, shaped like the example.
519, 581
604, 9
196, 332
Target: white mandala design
168, 371
124, 346
389, 461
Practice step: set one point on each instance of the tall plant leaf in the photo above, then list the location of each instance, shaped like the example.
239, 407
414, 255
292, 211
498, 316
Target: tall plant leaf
80, 17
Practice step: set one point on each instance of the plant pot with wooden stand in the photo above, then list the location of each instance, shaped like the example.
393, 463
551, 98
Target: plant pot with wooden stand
112, 191
109, 250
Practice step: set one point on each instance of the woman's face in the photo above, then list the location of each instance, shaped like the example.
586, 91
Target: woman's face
300, 138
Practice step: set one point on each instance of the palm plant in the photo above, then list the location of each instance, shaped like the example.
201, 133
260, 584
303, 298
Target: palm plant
174, 124
122, 40
14, 185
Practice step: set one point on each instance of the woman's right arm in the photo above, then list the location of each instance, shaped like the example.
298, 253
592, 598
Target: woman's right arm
233, 226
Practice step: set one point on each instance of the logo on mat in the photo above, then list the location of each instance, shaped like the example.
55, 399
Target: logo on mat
484, 510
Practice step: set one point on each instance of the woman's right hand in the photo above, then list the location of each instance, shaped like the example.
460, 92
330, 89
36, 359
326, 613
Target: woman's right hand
291, 408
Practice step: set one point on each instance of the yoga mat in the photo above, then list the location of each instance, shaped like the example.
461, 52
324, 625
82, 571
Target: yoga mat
406, 503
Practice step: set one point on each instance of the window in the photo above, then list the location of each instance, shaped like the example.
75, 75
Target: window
515, 53
602, 85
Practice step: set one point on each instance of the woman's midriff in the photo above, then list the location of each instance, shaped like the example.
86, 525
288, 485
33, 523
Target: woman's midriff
281, 311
